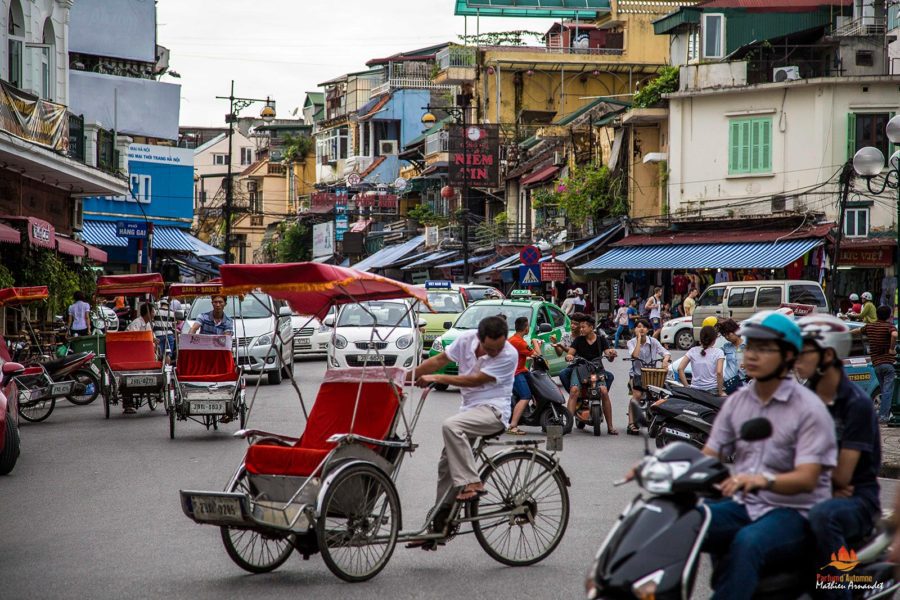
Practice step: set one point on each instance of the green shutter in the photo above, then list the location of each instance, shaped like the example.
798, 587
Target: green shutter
764, 145
733, 146
851, 135
746, 145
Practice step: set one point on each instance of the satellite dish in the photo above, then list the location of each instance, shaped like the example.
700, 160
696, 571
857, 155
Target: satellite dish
400, 184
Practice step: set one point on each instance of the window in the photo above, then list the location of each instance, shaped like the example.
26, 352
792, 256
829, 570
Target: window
246, 156
712, 296
868, 129
256, 205
750, 146
16, 30
742, 297
713, 36
557, 316
540, 320
807, 294
769, 297
693, 46
856, 222
47, 54
332, 145
220, 159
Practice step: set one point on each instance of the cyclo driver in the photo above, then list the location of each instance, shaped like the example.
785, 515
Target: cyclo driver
592, 348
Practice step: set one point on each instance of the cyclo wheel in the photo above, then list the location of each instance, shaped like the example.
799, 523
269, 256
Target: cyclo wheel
251, 550
358, 526
511, 481
38, 410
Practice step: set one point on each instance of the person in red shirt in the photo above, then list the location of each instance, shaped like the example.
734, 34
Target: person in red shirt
520, 384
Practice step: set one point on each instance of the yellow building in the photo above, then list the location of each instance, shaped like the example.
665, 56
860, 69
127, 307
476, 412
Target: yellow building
260, 201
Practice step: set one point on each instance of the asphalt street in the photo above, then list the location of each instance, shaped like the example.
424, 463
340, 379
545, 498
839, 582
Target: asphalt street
92, 511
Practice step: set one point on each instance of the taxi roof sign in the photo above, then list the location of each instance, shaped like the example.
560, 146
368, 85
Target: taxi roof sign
520, 294
435, 284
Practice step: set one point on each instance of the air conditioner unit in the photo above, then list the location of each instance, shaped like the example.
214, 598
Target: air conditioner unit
387, 147
786, 74
431, 235
252, 186
784, 203
559, 158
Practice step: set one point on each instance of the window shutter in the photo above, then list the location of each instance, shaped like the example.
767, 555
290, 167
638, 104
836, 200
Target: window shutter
734, 146
851, 135
746, 147
765, 145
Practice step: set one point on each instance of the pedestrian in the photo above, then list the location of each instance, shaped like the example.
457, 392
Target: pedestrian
868, 314
665, 315
690, 302
568, 305
707, 364
732, 348
652, 306
79, 317
144, 322
621, 321
882, 337
579, 301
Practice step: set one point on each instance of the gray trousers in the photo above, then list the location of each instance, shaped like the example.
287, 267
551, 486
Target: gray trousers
457, 465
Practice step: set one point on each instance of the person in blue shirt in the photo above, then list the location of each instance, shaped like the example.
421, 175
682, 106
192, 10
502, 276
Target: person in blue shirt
733, 347
850, 514
214, 322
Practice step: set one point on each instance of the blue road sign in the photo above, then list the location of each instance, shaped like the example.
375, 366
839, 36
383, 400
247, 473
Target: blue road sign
530, 275
131, 229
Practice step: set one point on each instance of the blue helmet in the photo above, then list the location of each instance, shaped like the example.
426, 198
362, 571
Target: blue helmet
773, 325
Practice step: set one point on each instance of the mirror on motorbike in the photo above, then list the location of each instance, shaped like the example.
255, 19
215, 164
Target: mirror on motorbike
448, 324
11, 367
179, 315
285, 311
545, 328
756, 430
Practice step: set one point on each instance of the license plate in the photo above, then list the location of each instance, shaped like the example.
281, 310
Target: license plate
94, 369
302, 342
859, 377
370, 358
430, 337
676, 433
61, 389
207, 407
141, 381
208, 508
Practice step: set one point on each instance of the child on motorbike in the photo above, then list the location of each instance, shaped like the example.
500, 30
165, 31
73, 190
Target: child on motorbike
707, 364
520, 384
645, 350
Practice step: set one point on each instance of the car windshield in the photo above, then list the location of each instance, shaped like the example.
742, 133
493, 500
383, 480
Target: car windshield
477, 293
374, 314
475, 313
256, 306
443, 302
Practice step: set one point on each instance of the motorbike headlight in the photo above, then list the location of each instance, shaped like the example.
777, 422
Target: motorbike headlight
340, 342
263, 340
645, 587
656, 477
404, 342
437, 345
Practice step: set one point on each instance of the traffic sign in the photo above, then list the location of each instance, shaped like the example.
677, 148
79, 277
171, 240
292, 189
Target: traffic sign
553, 270
530, 255
530, 275
131, 229
353, 179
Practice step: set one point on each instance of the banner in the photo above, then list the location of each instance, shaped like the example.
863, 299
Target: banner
30, 118
323, 239
475, 155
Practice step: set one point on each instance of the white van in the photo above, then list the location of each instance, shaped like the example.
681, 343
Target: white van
740, 300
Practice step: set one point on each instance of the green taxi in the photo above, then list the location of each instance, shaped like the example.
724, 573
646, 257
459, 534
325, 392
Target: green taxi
545, 319
448, 300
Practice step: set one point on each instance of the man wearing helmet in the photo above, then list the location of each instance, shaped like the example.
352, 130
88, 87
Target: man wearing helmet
568, 305
882, 336
849, 515
855, 305
774, 483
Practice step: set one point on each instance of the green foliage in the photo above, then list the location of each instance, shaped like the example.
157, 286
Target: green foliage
40, 266
6, 277
543, 197
294, 243
490, 232
651, 94
502, 38
591, 192
424, 215
296, 148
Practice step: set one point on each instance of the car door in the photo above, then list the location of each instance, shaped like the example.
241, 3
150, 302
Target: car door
709, 304
740, 302
560, 327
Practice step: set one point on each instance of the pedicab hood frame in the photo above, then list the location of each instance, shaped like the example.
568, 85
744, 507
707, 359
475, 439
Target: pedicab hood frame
109, 286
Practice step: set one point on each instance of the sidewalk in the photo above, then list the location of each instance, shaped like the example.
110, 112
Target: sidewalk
890, 452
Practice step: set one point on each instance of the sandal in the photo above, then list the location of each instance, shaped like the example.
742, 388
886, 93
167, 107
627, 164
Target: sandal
515, 431
633, 429
612, 431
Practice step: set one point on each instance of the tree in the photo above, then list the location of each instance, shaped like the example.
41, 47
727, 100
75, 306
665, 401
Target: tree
652, 93
294, 243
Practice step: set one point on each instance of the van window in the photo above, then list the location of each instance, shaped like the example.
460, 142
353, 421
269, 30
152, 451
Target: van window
807, 294
741, 297
769, 297
712, 297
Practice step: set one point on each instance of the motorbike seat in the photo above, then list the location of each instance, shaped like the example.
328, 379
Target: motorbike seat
699, 396
58, 363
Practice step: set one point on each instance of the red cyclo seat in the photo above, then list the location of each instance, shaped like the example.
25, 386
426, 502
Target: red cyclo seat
206, 365
331, 414
132, 351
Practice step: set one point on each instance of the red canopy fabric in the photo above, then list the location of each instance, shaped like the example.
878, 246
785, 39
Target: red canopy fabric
192, 290
9, 235
130, 285
312, 288
70, 247
95, 254
21, 295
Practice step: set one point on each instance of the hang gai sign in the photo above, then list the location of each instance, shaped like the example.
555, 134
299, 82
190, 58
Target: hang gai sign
474, 155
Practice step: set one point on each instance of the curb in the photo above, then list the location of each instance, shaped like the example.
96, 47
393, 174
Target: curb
890, 471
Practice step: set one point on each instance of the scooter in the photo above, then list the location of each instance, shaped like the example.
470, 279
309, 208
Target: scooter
682, 414
589, 410
78, 367
548, 404
653, 549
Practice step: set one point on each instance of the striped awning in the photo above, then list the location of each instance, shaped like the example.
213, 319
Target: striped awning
429, 259
389, 254
102, 233
201, 248
740, 255
171, 238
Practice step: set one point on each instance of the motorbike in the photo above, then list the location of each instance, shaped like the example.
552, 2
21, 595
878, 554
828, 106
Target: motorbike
548, 404
9, 416
682, 414
653, 549
589, 410
78, 367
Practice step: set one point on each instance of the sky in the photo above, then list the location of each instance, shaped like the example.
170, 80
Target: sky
284, 48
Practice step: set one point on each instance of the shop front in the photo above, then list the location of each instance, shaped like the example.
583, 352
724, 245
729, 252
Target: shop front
866, 265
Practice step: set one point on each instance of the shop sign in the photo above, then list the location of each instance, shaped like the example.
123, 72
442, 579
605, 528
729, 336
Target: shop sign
323, 239
341, 226
867, 257
553, 270
30, 118
800, 310
131, 229
40, 233
474, 155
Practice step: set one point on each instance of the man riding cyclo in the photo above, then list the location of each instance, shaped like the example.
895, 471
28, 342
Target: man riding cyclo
214, 322
592, 348
764, 518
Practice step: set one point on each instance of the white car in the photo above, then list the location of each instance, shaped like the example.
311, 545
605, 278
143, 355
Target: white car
678, 333
322, 336
305, 328
374, 333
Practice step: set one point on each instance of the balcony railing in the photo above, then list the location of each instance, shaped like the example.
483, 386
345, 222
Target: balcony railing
864, 26
557, 50
409, 83
76, 137
107, 155
457, 56
437, 142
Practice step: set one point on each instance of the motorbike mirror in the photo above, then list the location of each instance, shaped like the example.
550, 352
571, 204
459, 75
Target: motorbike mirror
422, 323
328, 321
756, 430
545, 328
179, 315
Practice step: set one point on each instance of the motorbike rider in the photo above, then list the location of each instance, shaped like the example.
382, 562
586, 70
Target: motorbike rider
786, 472
647, 350
733, 345
868, 314
520, 384
850, 514
591, 347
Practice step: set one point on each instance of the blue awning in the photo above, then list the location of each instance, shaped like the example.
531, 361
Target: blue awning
739, 255
431, 257
389, 254
461, 262
585, 246
201, 248
102, 233
171, 238
504, 263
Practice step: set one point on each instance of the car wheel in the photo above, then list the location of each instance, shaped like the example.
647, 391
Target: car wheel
684, 339
274, 376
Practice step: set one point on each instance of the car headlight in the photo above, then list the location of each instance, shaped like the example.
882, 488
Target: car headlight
263, 340
437, 345
404, 342
340, 342
323, 329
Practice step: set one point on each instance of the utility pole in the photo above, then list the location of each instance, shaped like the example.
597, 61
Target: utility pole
846, 178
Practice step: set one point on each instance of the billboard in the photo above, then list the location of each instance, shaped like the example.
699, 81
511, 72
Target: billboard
474, 155
120, 29
323, 239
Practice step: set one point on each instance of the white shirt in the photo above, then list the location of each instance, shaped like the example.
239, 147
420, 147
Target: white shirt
654, 307
703, 368
501, 367
79, 312
140, 324
568, 306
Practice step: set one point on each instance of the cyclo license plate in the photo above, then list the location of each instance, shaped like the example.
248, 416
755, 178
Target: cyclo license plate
207, 407
212, 508
141, 381
94, 369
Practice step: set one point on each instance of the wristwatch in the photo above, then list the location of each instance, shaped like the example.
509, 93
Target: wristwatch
770, 479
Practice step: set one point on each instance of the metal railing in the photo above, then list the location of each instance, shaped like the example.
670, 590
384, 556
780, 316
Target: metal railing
863, 26
409, 83
557, 50
437, 142
76, 137
457, 56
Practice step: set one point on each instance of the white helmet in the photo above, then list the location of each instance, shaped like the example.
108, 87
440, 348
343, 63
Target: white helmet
867, 296
854, 297
579, 291
827, 331
570, 293
491, 293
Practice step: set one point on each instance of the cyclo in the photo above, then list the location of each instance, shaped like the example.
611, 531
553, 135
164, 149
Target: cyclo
332, 490
205, 386
132, 369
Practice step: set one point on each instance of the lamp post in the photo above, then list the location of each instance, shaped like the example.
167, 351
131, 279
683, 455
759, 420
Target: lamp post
869, 163
235, 105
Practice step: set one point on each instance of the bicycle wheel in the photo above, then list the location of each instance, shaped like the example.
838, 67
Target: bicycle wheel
512, 481
254, 551
38, 410
357, 528
84, 378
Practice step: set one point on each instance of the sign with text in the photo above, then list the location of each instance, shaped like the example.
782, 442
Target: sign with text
131, 229
41, 233
474, 155
30, 118
882, 256
341, 226
323, 239
553, 270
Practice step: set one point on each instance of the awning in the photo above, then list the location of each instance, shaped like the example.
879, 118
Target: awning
9, 235
198, 266
94, 253
360, 225
70, 247
319, 210
430, 259
505, 263
170, 238
39, 232
461, 262
201, 248
541, 175
102, 233
585, 246
389, 254
746, 255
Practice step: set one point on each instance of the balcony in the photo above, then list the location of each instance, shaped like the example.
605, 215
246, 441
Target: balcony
414, 83
437, 143
863, 27
357, 164
456, 64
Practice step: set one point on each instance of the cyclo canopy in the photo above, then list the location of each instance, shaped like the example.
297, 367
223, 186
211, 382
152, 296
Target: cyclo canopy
138, 284
16, 296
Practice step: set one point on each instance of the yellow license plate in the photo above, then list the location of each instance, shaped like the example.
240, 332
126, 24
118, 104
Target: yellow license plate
859, 377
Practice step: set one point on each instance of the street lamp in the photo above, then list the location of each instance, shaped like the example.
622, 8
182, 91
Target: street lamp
267, 114
869, 163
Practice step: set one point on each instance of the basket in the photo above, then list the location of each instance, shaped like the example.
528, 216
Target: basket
655, 377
